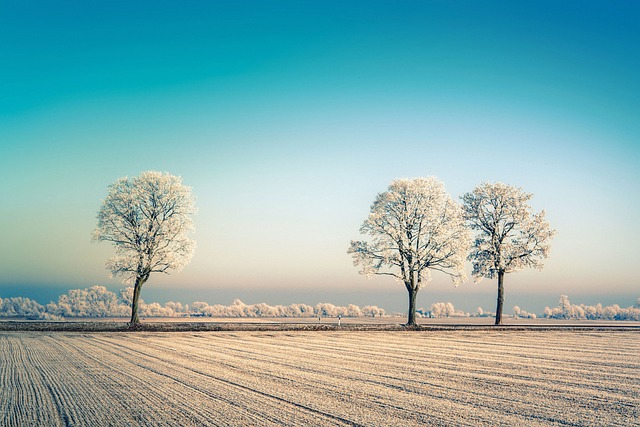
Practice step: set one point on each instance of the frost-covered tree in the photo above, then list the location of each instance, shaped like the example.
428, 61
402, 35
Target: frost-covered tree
442, 309
21, 307
510, 236
566, 310
326, 309
372, 311
353, 311
147, 219
415, 227
523, 314
96, 301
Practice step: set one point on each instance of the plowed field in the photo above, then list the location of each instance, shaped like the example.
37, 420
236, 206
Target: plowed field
318, 378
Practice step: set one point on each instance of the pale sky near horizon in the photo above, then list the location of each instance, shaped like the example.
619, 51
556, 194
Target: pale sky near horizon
288, 119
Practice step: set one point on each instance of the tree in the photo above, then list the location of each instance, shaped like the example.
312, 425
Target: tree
415, 227
95, 301
147, 219
509, 235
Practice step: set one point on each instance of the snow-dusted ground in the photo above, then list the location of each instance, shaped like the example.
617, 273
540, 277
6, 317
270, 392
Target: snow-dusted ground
384, 378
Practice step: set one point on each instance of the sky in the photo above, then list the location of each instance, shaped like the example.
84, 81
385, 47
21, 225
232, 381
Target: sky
288, 117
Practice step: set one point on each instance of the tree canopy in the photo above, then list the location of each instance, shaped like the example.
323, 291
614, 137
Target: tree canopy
415, 227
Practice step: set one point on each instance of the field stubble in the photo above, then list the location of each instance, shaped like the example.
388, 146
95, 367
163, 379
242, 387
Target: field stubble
320, 378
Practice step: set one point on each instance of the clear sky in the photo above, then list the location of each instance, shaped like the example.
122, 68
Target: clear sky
288, 117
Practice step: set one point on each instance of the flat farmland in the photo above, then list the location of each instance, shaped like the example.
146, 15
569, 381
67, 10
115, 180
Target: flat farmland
320, 378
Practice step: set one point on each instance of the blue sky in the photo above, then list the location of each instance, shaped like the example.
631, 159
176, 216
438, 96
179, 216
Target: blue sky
287, 118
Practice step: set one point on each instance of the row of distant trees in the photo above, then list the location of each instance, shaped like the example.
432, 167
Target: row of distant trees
97, 301
566, 310
414, 228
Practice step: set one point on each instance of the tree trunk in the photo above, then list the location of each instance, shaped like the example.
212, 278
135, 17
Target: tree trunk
411, 319
500, 297
134, 303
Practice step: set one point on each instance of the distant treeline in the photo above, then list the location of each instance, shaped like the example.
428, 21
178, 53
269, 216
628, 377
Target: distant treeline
97, 301
565, 310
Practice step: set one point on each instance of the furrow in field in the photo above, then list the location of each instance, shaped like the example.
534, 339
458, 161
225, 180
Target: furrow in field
342, 386
350, 363
543, 391
490, 353
320, 378
129, 406
155, 399
447, 376
80, 400
259, 408
24, 396
266, 387
548, 368
538, 392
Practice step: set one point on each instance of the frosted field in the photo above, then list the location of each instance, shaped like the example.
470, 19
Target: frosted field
317, 378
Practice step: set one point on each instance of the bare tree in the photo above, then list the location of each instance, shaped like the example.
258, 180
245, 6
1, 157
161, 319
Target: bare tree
416, 227
147, 219
509, 236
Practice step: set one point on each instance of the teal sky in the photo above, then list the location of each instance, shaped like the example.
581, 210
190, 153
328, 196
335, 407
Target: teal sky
287, 118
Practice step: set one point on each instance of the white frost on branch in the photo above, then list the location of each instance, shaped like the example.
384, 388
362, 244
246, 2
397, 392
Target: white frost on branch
147, 219
510, 236
415, 227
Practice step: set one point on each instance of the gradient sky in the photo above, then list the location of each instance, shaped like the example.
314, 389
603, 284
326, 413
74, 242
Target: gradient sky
286, 118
